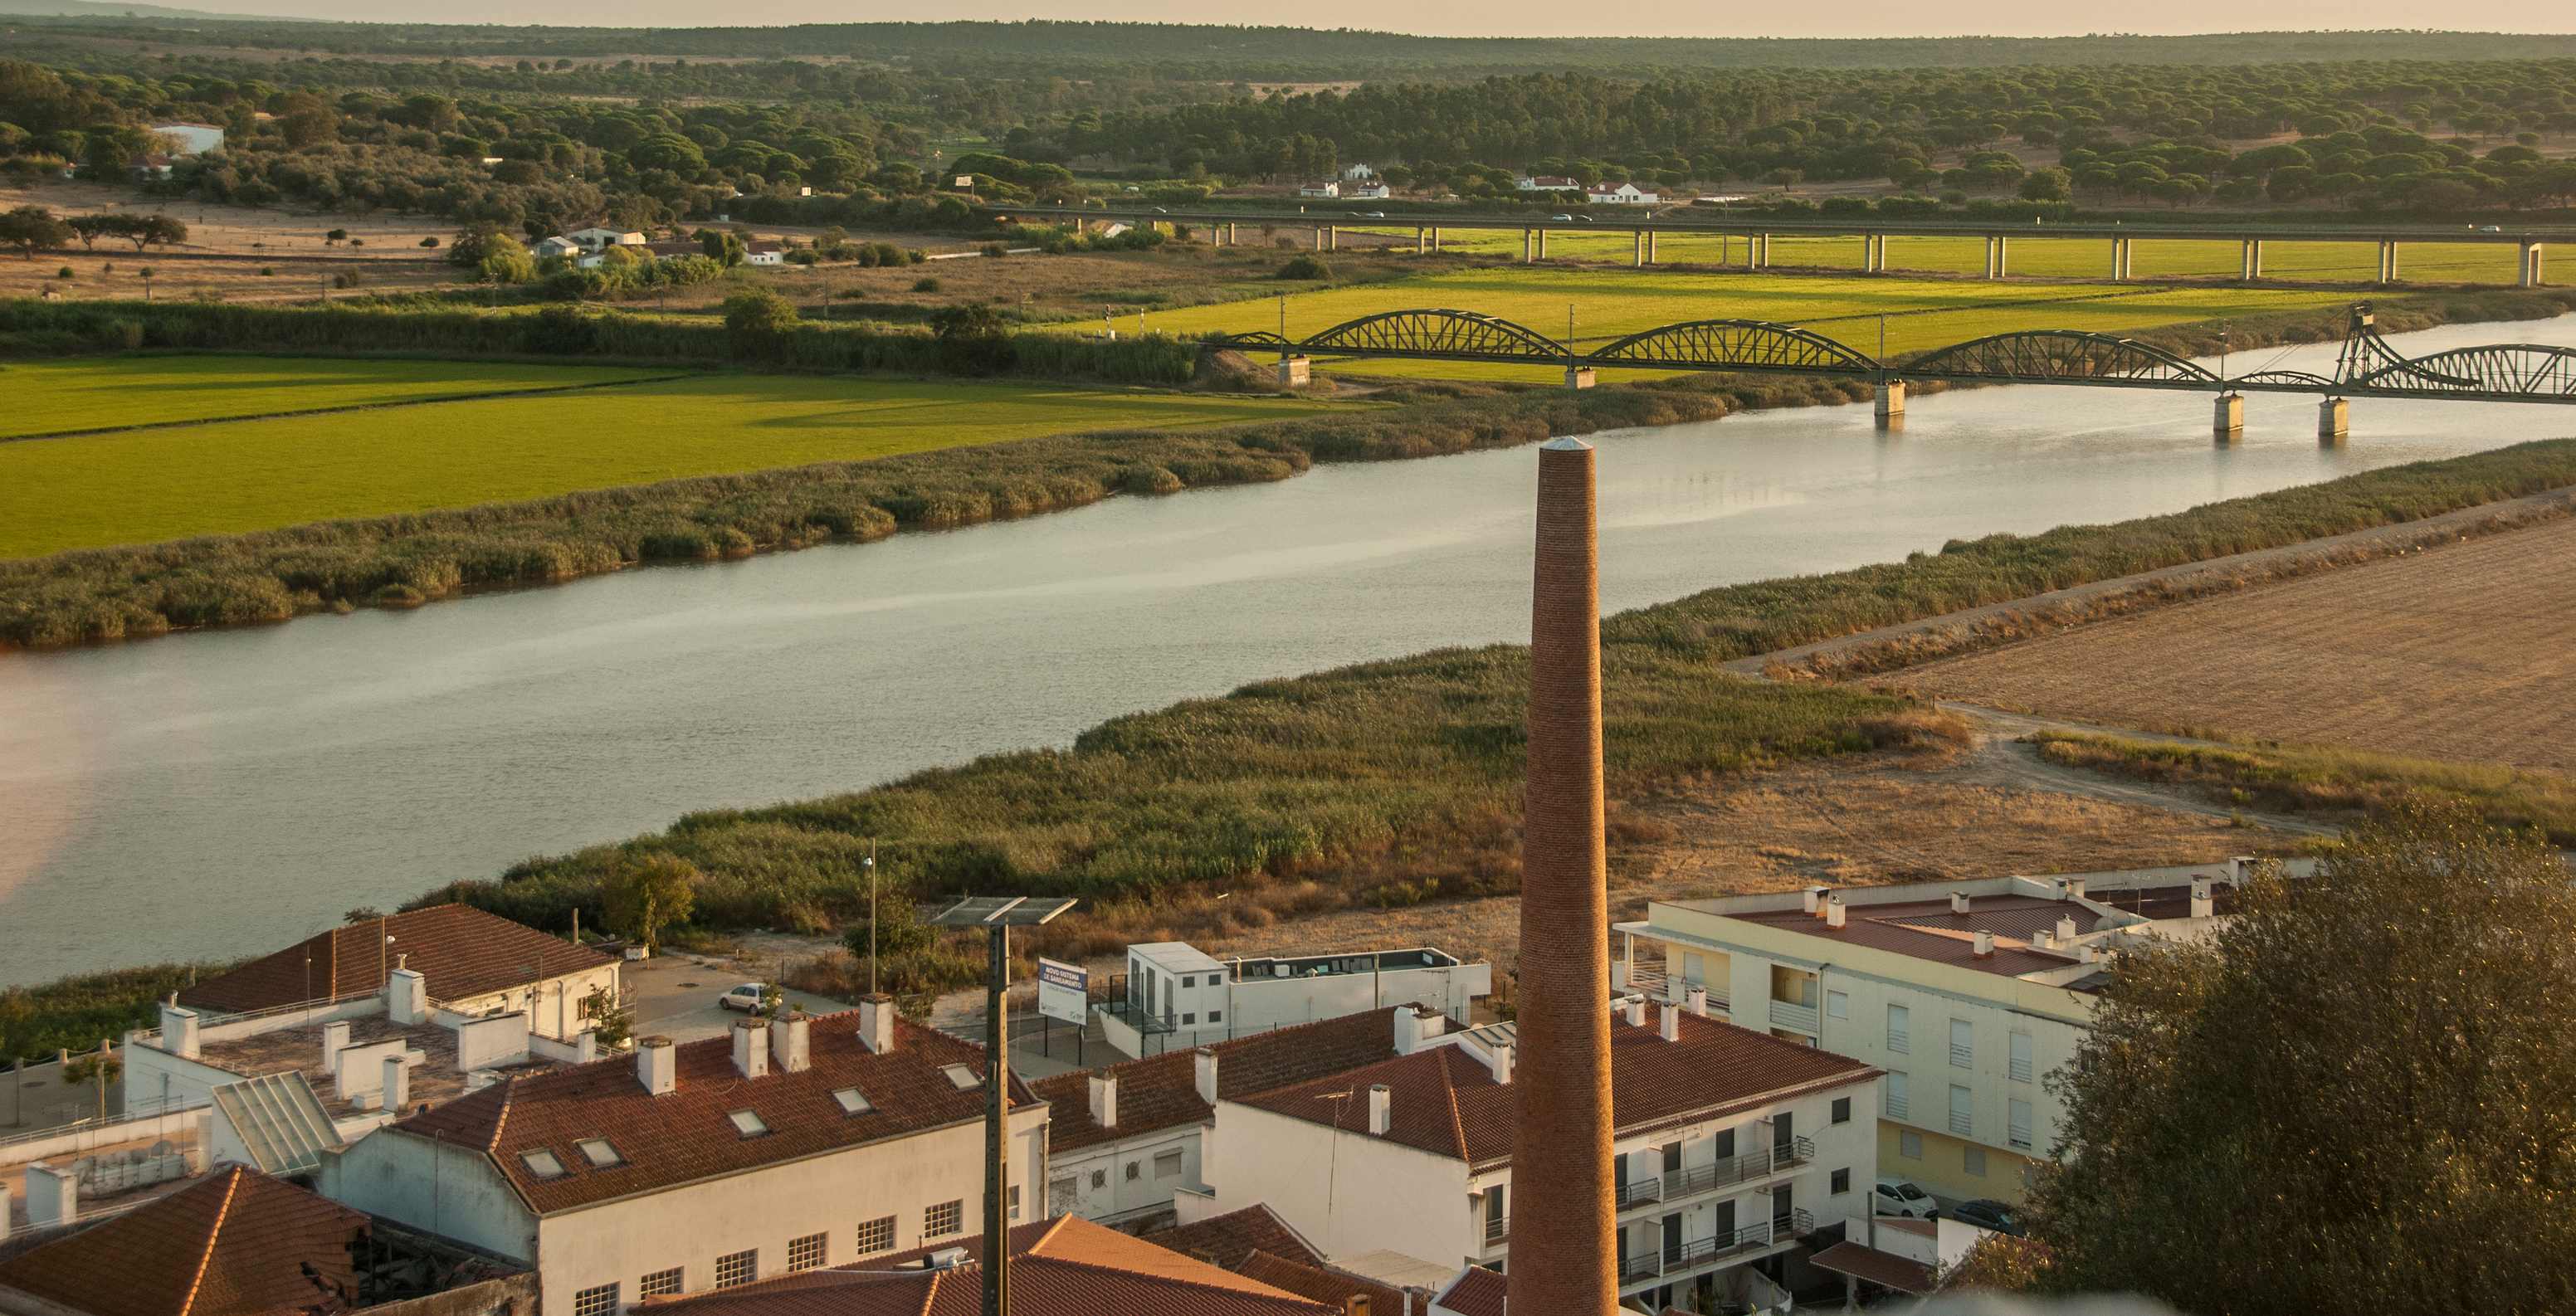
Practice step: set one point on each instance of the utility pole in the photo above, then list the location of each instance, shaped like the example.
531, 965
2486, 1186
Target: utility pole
872, 918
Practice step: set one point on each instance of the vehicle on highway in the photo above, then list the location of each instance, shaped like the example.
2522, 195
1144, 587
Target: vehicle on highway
2489, 228
745, 998
1904, 1197
1987, 1213
1561, 219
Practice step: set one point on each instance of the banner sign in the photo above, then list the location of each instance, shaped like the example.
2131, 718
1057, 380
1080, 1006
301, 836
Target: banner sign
1064, 992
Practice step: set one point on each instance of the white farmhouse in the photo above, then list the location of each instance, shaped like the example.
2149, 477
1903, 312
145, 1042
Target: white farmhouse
1731, 1147
1625, 194
786, 1146
1320, 190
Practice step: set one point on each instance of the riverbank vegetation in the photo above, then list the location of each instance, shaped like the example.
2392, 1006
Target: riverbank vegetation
78, 1012
1317, 790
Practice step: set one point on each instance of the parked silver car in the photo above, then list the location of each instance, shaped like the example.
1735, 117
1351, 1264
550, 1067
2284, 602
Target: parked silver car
1903, 1197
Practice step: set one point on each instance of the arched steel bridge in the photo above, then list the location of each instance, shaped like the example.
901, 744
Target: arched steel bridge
2368, 367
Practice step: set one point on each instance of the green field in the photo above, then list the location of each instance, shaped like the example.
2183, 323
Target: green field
2079, 258
107, 392
140, 486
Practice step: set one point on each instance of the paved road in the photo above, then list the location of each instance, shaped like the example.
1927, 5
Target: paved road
675, 994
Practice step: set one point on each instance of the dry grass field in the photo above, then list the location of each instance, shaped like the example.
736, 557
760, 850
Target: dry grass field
2465, 653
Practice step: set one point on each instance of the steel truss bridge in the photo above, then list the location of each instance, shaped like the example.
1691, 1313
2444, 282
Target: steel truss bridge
2367, 366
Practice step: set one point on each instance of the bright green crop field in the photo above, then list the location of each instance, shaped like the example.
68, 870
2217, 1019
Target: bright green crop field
108, 392
146, 485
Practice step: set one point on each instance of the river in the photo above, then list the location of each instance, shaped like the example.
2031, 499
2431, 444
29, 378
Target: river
209, 795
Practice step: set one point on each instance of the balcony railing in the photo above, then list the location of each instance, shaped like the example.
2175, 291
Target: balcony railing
1726, 1173
1787, 1015
1658, 1262
1497, 1232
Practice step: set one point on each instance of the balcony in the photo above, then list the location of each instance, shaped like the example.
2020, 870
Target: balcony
1691, 1256
1726, 1173
1802, 1018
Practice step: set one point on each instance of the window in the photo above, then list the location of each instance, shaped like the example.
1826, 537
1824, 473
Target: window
853, 1102
1100, 1178
1672, 1158
1189, 982
601, 1301
1900, 1029
2020, 1127
1909, 1145
1190, 1017
661, 1283
1838, 1004
542, 1163
1842, 1181
1216, 1016
1842, 1110
1014, 1201
1963, 1044
748, 1123
806, 1253
1793, 986
1961, 1122
1973, 1160
1167, 1164
1692, 968
599, 1153
964, 1076
1133, 1171
1497, 1225
876, 1235
2021, 1057
737, 1268
943, 1219
1896, 1102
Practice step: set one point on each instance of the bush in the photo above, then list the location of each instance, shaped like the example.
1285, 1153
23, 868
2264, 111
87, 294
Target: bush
756, 319
1305, 267
429, 242
560, 330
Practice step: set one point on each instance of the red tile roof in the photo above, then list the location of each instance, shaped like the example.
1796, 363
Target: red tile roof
1330, 1287
1885, 1269
1231, 1239
1161, 1092
687, 1135
1446, 1101
463, 952
237, 1244
1062, 1267
1476, 1292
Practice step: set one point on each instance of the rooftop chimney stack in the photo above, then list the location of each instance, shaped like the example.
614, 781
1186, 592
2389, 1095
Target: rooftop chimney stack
1672, 1022
1415, 1026
1985, 943
1104, 1098
335, 1039
791, 1043
1498, 1058
1812, 899
179, 1031
2066, 930
397, 1085
1381, 1109
1205, 1063
876, 1023
1834, 913
2202, 905
1698, 999
1636, 1008
657, 1065
751, 1047
2075, 887
1565, 1259
2236, 869
406, 994
1958, 902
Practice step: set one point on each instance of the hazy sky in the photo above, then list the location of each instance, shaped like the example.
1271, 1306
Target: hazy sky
1509, 17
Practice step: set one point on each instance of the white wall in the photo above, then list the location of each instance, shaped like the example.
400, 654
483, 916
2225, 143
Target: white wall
151, 1072
1346, 1192
433, 1186
1118, 1195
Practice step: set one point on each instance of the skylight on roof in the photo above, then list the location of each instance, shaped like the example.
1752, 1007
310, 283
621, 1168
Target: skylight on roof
542, 1163
853, 1102
964, 1076
599, 1153
748, 1123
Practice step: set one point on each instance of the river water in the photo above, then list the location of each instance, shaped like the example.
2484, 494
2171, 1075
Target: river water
207, 795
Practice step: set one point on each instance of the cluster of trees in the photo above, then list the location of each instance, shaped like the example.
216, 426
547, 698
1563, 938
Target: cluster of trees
32, 229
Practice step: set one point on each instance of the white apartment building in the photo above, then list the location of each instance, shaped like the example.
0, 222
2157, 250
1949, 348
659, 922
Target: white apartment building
1735, 1149
789, 1145
1178, 997
1967, 994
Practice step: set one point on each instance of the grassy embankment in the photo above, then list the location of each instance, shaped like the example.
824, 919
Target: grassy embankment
2321, 779
1308, 793
75, 1013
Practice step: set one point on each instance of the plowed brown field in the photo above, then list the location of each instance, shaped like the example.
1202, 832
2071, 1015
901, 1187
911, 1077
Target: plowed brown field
2465, 653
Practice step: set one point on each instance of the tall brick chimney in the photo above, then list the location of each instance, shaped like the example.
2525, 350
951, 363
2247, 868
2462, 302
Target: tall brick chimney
1563, 1249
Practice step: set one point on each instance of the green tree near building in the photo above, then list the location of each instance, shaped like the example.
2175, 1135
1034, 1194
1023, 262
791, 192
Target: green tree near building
650, 895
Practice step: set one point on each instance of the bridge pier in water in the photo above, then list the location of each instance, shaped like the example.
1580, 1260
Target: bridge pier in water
1577, 377
1889, 406
2334, 421
2228, 420
2250, 261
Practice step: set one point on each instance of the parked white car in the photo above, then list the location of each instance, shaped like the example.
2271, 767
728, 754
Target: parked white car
745, 998
1904, 1197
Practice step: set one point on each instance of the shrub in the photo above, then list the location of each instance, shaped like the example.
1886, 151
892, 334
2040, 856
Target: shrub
561, 330
1305, 267
926, 285
756, 319
429, 242
64, 273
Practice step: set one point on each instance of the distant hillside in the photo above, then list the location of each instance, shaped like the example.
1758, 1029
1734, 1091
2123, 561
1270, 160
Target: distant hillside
87, 9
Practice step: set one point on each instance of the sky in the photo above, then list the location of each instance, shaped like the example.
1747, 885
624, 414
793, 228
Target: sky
1521, 18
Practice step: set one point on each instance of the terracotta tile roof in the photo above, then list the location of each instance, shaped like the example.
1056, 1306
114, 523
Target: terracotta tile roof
1329, 1287
463, 952
1476, 1292
1231, 1239
1928, 930
237, 1244
687, 1135
1885, 1269
1445, 1100
1160, 1092
1062, 1267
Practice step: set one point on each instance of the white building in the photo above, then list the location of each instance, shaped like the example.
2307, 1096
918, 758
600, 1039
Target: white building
1320, 190
1547, 184
786, 1146
1732, 1148
763, 253
1966, 993
1123, 1139
194, 138
1358, 173
1178, 997
1365, 192
592, 239
1625, 194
